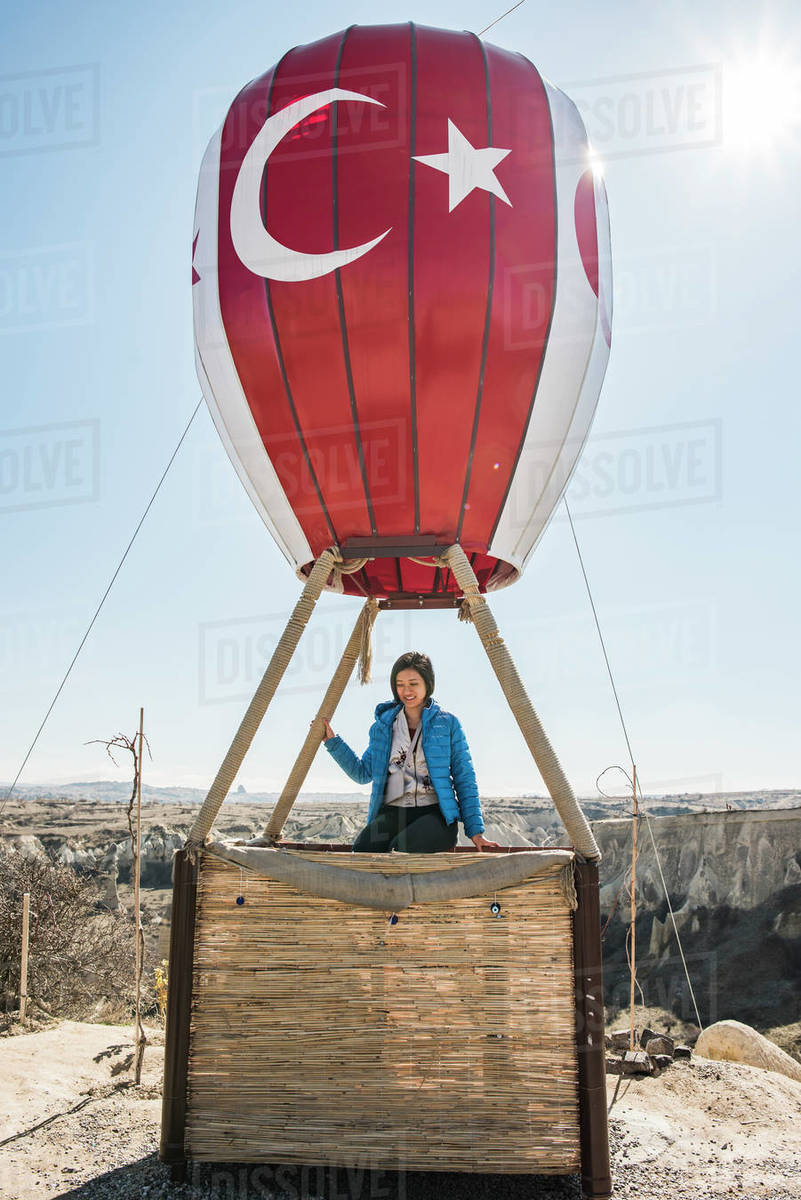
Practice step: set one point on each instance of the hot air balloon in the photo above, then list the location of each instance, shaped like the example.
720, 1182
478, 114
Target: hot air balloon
401, 281
402, 300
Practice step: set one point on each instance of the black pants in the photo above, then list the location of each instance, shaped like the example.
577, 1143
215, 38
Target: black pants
412, 830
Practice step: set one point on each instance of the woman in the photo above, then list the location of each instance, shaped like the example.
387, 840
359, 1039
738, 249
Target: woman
420, 767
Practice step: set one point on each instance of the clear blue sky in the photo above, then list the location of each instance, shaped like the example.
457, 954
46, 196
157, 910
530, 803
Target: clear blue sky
686, 504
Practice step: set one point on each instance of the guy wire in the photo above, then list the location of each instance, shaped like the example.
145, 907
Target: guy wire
631, 756
103, 598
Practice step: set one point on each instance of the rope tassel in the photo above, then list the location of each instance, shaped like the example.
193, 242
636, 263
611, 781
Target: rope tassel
365, 663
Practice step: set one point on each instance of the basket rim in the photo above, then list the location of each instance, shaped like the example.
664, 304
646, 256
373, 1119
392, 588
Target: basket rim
363, 879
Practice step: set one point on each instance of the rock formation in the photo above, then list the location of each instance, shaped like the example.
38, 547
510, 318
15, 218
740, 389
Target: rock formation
733, 882
733, 877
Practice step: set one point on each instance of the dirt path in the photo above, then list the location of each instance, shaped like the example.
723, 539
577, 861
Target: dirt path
76, 1127
707, 1129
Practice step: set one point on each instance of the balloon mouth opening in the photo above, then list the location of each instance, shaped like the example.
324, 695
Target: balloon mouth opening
417, 583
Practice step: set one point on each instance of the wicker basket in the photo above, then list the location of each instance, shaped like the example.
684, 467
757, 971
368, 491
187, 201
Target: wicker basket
440, 1037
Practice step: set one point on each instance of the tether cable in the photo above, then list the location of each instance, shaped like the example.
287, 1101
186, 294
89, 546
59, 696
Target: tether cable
600, 635
500, 18
103, 599
631, 756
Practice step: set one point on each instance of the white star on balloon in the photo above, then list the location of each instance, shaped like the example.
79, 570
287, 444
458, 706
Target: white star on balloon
466, 167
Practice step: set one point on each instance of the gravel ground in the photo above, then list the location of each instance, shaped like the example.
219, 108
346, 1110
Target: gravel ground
80, 1130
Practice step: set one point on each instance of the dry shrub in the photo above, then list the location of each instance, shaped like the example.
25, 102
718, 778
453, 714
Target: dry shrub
81, 957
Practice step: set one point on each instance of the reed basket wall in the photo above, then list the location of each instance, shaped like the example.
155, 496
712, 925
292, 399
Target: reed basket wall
323, 1033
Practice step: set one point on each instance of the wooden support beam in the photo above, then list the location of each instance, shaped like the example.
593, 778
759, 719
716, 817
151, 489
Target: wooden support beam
577, 826
288, 644
596, 1178
336, 688
179, 1006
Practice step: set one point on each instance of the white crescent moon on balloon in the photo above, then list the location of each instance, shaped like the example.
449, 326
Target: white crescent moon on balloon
256, 247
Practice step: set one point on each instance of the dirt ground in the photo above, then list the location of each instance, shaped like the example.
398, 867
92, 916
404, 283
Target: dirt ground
75, 1126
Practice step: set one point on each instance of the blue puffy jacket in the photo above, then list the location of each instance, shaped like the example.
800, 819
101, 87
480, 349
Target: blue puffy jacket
447, 755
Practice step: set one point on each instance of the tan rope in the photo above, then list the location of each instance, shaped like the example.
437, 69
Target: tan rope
258, 706
346, 568
573, 819
355, 647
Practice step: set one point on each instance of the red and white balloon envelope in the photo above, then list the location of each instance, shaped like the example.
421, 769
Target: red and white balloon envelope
402, 301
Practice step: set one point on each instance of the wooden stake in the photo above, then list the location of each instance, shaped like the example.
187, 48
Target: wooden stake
23, 972
141, 1040
633, 963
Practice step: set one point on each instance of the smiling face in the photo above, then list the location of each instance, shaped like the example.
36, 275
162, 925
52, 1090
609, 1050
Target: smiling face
411, 689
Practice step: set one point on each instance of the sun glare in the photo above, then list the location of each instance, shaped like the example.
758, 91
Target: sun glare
761, 101
596, 163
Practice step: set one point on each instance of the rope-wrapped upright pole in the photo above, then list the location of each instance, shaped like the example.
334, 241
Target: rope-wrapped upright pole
358, 644
258, 706
573, 819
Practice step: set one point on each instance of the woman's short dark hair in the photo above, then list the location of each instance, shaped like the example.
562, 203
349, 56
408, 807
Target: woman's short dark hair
413, 660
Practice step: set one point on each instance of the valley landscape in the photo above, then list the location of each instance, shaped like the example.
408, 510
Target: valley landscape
731, 862
732, 866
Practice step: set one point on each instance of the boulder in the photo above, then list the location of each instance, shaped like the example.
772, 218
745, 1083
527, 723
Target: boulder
662, 1060
660, 1044
620, 1039
682, 1052
731, 1041
636, 1062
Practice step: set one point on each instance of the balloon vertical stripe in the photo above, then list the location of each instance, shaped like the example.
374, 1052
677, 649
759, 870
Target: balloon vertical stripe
412, 386
340, 301
277, 341
552, 266
488, 317
451, 270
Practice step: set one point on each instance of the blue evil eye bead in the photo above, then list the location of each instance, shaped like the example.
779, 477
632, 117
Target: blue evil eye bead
240, 900
393, 920
495, 908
